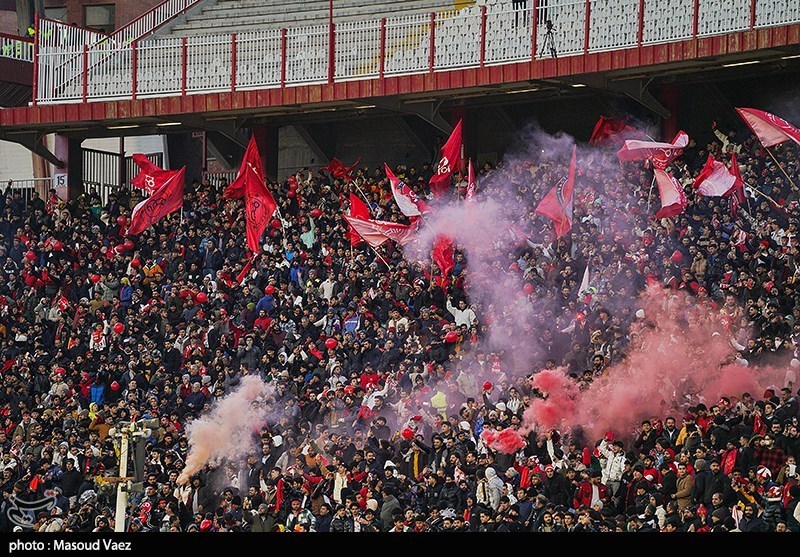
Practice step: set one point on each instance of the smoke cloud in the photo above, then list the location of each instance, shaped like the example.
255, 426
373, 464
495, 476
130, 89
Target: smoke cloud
225, 432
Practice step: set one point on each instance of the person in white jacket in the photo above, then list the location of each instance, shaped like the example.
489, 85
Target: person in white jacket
614, 465
462, 314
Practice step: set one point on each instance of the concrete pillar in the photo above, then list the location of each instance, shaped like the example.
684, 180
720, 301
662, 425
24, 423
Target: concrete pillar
267, 140
669, 98
186, 149
68, 180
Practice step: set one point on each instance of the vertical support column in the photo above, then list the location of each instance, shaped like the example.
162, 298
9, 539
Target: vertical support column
122, 177
483, 35
331, 44
534, 27
432, 45
283, 57
640, 31
35, 77
695, 18
266, 137
69, 151
586, 31
382, 67
233, 62
184, 64
670, 100
331, 47
85, 72
135, 68
752, 14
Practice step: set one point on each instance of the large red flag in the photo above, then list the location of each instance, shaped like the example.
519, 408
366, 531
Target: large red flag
166, 198
252, 160
714, 179
359, 210
609, 128
444, 256
451, 160
150, 176
769, 129
557, 203
338, 170
409, 202
673, 200
470, 182
658, 153
376, 232
259, 206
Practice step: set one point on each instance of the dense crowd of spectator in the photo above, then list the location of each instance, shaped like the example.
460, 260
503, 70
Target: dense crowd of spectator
380, 431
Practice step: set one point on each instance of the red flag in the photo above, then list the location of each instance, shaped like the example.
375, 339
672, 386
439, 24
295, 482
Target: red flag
714, 179
609, 128
673, 200
150, 176
338, 170
769, 129
259, 206
245, 270
444, 256
470, 182
251, 159
359, 210
409, 202
376, 232
737, 193
557, 203
659, 153
166, 198
451, 160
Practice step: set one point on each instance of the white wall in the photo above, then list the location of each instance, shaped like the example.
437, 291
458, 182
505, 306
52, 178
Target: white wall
16, 162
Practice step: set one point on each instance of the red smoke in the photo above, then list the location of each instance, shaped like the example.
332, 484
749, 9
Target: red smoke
506, 441
682, 357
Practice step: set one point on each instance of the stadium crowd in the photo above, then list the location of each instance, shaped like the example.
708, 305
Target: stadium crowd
378, 412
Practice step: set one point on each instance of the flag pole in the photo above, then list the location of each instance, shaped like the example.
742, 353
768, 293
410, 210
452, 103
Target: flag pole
754, 190
650, 194
767, 149
379, 256
363, 195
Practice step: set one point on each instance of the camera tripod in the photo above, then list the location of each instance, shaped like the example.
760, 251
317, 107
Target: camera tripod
549, 43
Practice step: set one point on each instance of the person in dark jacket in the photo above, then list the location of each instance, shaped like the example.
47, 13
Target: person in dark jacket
261, 521
752, 521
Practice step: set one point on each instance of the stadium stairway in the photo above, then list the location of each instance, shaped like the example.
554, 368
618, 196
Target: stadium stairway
239, 16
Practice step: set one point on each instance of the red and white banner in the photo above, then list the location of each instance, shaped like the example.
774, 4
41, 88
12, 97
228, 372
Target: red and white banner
470, 182
166, 198
673, 200
409, 202
557, 203
251, 160
769, 129
151, 174
359, 210
659, 153
259, 206
376, 232
450, 162
714, 179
